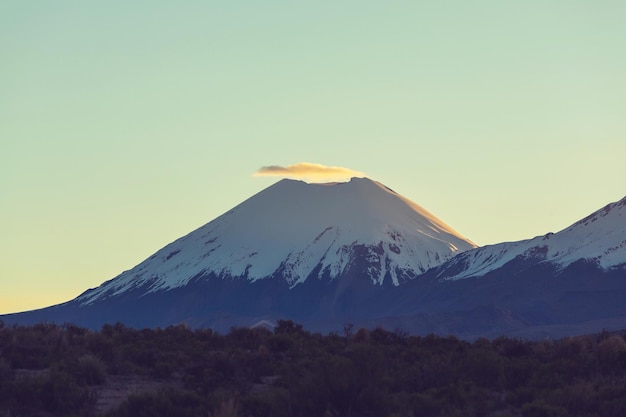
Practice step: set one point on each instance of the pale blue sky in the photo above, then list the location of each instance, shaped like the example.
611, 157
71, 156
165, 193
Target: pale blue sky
125, 125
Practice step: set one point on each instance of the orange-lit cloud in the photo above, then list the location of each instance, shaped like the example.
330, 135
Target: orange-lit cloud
308, 172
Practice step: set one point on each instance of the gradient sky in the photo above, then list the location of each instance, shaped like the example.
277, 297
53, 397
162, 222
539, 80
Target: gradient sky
125, 125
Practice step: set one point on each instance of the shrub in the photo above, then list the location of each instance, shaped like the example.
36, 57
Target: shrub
55, 392
165, 403
611, 354
227, 408
540, 409
90, 370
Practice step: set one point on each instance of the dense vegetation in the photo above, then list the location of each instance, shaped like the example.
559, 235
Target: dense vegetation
50, 370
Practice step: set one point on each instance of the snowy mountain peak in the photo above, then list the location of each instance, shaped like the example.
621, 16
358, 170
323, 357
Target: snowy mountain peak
613, 210
296, 231
599, 238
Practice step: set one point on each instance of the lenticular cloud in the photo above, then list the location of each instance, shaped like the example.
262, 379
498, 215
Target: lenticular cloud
308, 172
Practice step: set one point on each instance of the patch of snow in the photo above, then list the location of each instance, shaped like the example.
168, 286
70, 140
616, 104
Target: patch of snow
600, 237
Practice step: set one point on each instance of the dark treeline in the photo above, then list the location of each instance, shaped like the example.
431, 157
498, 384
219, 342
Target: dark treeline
51, 370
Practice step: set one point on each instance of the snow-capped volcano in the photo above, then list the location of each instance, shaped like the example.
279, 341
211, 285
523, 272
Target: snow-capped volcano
296, 231
329, 254
599, 239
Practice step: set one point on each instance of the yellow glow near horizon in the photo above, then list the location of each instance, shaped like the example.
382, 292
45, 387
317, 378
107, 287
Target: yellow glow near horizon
20, 301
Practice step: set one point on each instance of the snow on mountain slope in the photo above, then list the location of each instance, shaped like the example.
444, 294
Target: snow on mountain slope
599, 237
296, 230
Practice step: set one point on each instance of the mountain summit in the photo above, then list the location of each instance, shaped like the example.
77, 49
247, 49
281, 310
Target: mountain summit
295, 231
307, 252
598, 240
558, 284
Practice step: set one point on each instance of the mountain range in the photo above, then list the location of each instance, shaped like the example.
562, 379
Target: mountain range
358, 252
